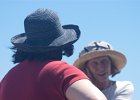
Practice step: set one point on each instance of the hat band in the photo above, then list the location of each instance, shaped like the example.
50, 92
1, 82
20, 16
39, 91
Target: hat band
42, 35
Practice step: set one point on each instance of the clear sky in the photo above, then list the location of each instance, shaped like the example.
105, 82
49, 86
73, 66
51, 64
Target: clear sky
114, 21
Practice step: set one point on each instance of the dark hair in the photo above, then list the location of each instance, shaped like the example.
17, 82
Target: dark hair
55, 54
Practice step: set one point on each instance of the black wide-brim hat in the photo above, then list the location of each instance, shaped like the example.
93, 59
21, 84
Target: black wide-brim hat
43, 32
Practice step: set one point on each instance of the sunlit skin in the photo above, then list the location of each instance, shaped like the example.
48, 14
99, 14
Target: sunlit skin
99, 70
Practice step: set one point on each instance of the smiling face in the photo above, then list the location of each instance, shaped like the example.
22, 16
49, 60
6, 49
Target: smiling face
100, 68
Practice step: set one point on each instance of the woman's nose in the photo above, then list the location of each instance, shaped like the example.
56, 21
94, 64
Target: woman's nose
101, 67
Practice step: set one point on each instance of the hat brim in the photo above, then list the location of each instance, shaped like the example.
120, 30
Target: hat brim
69, 36
118, 59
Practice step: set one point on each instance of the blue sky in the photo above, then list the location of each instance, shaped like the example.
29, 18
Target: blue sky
114, 21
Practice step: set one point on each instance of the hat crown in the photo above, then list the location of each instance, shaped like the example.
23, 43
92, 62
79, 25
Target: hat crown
41, 24
43, 32
96, 46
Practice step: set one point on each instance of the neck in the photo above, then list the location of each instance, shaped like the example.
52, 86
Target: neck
102, 84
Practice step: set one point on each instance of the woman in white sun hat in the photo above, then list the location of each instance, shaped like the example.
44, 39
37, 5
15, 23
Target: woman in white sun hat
98, 61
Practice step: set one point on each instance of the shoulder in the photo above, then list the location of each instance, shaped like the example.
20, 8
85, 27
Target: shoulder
124, 84
62, 65
54, 65
63, 68
125, 87
57, 63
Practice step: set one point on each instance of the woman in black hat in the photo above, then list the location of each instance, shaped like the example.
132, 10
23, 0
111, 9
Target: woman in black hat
40, 74
99, 61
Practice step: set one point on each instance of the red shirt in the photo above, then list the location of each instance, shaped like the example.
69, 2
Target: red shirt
39, 81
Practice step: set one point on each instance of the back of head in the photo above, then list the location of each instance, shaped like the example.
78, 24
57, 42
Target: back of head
44, 34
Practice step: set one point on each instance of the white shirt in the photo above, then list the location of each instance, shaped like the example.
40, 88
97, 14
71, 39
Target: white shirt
121, 90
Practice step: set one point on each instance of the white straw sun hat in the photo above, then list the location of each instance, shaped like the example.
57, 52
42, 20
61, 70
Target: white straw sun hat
98, 49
